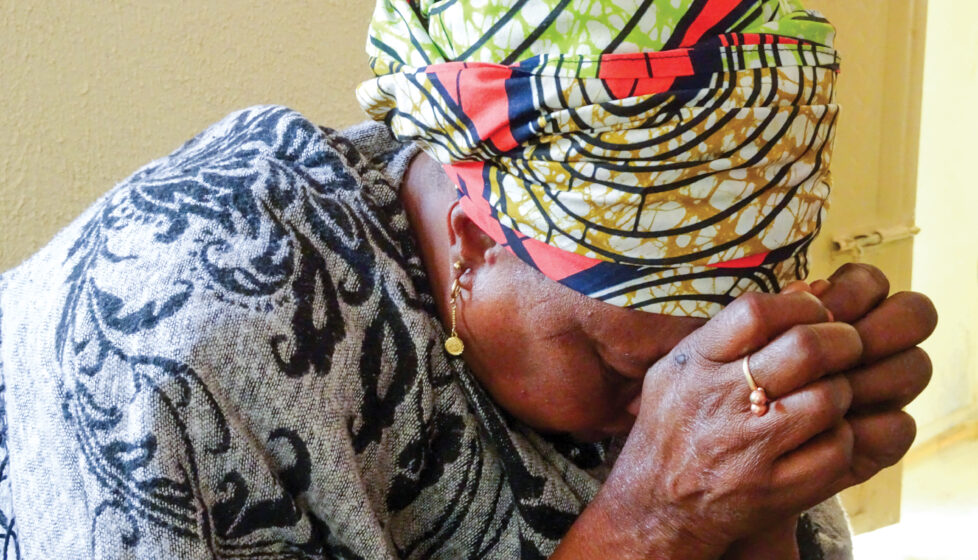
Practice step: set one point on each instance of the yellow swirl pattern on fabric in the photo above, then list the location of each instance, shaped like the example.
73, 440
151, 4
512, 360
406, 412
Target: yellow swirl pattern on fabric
668, 166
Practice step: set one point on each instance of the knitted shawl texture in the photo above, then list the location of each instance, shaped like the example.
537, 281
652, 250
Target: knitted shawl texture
234, 354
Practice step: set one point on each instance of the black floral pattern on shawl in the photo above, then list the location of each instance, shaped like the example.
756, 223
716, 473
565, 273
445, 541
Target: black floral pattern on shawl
234, 354
247, 353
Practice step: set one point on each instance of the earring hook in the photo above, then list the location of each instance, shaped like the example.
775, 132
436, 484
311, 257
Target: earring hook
454, 345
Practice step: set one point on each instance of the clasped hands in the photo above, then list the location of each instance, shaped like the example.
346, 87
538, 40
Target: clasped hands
702, 477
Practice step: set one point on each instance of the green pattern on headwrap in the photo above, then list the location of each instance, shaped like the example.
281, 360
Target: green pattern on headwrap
665, 155
428, 32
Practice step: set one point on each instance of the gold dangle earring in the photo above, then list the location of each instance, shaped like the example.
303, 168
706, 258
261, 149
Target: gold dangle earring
454, 344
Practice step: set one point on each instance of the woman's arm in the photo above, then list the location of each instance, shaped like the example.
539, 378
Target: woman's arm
772, 543
699, 471
702, 478
603, 530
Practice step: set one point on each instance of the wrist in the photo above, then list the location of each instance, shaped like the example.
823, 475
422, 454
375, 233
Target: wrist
776, 542
608, 527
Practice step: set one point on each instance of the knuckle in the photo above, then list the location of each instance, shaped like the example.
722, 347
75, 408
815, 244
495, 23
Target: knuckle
877, 277
870, 274
892, 439
847, 440
831, 399
843, 393
920, 307
686, 354
865, 466
920, 372
752, 310
806, 342
813, 307
841, 450
924, 364
821, 400
905, 432
817, 418
902, 433
852, 341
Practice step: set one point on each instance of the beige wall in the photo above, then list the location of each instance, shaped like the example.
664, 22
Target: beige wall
946, 251
93, 90
874, 170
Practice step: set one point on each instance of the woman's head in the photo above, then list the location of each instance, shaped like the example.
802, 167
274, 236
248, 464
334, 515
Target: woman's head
554, 358
664, 156
557, 360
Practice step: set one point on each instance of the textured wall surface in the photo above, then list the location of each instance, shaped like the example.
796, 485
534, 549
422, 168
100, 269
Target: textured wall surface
946, 251
93, 90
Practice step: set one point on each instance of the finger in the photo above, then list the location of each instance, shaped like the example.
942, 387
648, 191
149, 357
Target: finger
892, 382
816, 288
879, 441
804, 354
855, 289
801, 415
751, 321
796, 286
820, 286
901, 322
812, 473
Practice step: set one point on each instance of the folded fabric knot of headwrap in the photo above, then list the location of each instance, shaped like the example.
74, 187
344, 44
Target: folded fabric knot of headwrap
665, 155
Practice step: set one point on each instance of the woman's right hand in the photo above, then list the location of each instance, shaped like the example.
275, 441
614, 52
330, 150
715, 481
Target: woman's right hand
699, 467
698, 470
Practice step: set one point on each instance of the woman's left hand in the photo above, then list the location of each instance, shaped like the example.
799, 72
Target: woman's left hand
893, 370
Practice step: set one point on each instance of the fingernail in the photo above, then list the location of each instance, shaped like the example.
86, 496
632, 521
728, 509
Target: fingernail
796, 286
828, 311
810, 296
819, 287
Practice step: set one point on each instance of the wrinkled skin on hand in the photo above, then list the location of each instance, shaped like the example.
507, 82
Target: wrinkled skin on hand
894, 371
700, 474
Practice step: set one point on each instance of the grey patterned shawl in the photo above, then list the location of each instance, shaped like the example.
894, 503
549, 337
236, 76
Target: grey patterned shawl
234, 354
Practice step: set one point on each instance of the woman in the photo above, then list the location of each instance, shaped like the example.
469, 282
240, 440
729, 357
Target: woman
238, 351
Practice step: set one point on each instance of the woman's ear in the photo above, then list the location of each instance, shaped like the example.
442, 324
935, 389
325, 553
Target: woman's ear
468, 243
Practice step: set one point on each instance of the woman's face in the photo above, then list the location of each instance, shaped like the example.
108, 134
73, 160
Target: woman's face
558, 360
553, 358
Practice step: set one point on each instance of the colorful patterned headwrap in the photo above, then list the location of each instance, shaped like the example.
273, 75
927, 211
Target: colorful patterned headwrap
666, 155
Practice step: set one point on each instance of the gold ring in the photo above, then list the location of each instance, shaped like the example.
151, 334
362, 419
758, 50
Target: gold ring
758, 396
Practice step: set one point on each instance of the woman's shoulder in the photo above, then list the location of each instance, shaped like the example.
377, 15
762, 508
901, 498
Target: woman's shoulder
263, 222
240, 171
249, 288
